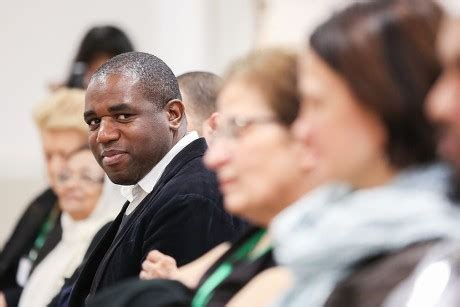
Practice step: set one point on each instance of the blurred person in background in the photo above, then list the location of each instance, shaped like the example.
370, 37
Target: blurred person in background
99, 44
199, 94
79, 189
38, 231
257, 163
348, 243
436, 282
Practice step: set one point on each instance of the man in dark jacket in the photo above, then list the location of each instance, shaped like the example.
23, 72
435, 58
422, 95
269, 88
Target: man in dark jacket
138, 134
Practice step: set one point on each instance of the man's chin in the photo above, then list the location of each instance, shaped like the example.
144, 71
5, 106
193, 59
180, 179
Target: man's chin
121, 179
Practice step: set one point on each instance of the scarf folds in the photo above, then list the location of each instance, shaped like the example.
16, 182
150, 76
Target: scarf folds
321, 236
48, 277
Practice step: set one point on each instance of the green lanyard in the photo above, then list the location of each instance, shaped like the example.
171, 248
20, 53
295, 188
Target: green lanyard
205, 292
41, 238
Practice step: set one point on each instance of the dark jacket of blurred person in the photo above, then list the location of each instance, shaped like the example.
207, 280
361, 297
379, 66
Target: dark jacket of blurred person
38, 230
375, 278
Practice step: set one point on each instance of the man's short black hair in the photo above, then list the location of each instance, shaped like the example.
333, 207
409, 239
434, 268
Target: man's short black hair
155, 79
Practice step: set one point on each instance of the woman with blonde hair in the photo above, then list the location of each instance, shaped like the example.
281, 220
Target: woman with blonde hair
38, 231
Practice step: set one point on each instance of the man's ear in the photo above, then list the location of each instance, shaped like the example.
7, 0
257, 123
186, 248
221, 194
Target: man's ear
176, 115
209, 126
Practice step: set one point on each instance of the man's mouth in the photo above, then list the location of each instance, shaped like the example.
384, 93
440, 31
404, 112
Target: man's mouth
112, 157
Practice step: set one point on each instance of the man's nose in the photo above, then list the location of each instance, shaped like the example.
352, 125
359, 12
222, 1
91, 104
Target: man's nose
107, 131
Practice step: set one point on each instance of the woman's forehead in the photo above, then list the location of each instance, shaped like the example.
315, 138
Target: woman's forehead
241, 97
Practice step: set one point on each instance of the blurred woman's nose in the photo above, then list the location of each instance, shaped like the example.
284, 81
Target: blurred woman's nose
443, 103
217, 154
301, 127
56, 164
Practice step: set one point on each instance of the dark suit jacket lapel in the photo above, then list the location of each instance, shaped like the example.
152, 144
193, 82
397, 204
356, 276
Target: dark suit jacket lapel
90, 266
193, 150
103, 247
121, 233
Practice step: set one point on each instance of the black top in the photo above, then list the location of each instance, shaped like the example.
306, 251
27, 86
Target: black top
182, 217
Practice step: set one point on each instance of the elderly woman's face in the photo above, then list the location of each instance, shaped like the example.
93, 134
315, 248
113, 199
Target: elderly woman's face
346, 141
57, 146
80, 185
254, 156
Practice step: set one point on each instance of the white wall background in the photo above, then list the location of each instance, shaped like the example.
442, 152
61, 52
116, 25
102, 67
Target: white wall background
38, 39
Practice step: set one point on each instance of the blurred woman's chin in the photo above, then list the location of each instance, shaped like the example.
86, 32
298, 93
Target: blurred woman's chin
235, 204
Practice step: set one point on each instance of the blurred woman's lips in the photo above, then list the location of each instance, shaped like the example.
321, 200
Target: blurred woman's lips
225, 183
73, 198
449, 146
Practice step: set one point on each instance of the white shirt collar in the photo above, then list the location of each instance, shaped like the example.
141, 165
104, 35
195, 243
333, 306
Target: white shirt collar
147, 183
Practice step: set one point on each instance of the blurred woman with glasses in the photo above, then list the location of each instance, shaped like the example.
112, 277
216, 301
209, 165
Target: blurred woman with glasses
79, 187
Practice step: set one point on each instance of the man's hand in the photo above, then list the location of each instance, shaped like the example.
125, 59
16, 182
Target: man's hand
157, 265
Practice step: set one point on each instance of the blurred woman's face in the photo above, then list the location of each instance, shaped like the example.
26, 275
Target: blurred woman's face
346, 141
57, 146
80, 185
443, 100
254, 156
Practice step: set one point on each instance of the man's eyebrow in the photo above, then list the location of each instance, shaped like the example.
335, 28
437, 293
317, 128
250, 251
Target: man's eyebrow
120, 107
88, 113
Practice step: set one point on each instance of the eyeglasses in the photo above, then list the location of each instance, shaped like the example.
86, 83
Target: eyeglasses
86, 179
233, 127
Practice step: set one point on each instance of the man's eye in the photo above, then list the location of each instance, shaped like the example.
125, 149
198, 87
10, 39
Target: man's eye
93, 122
122, 116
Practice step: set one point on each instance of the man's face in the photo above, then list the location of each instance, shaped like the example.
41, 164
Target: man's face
128, 135
57, 146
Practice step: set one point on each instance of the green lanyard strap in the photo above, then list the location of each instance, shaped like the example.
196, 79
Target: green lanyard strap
43, 233
205, 292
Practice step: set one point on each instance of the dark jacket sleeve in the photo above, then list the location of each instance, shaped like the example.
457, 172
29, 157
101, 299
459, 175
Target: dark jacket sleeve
372, 280
140, 293
188, 226
12, 296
